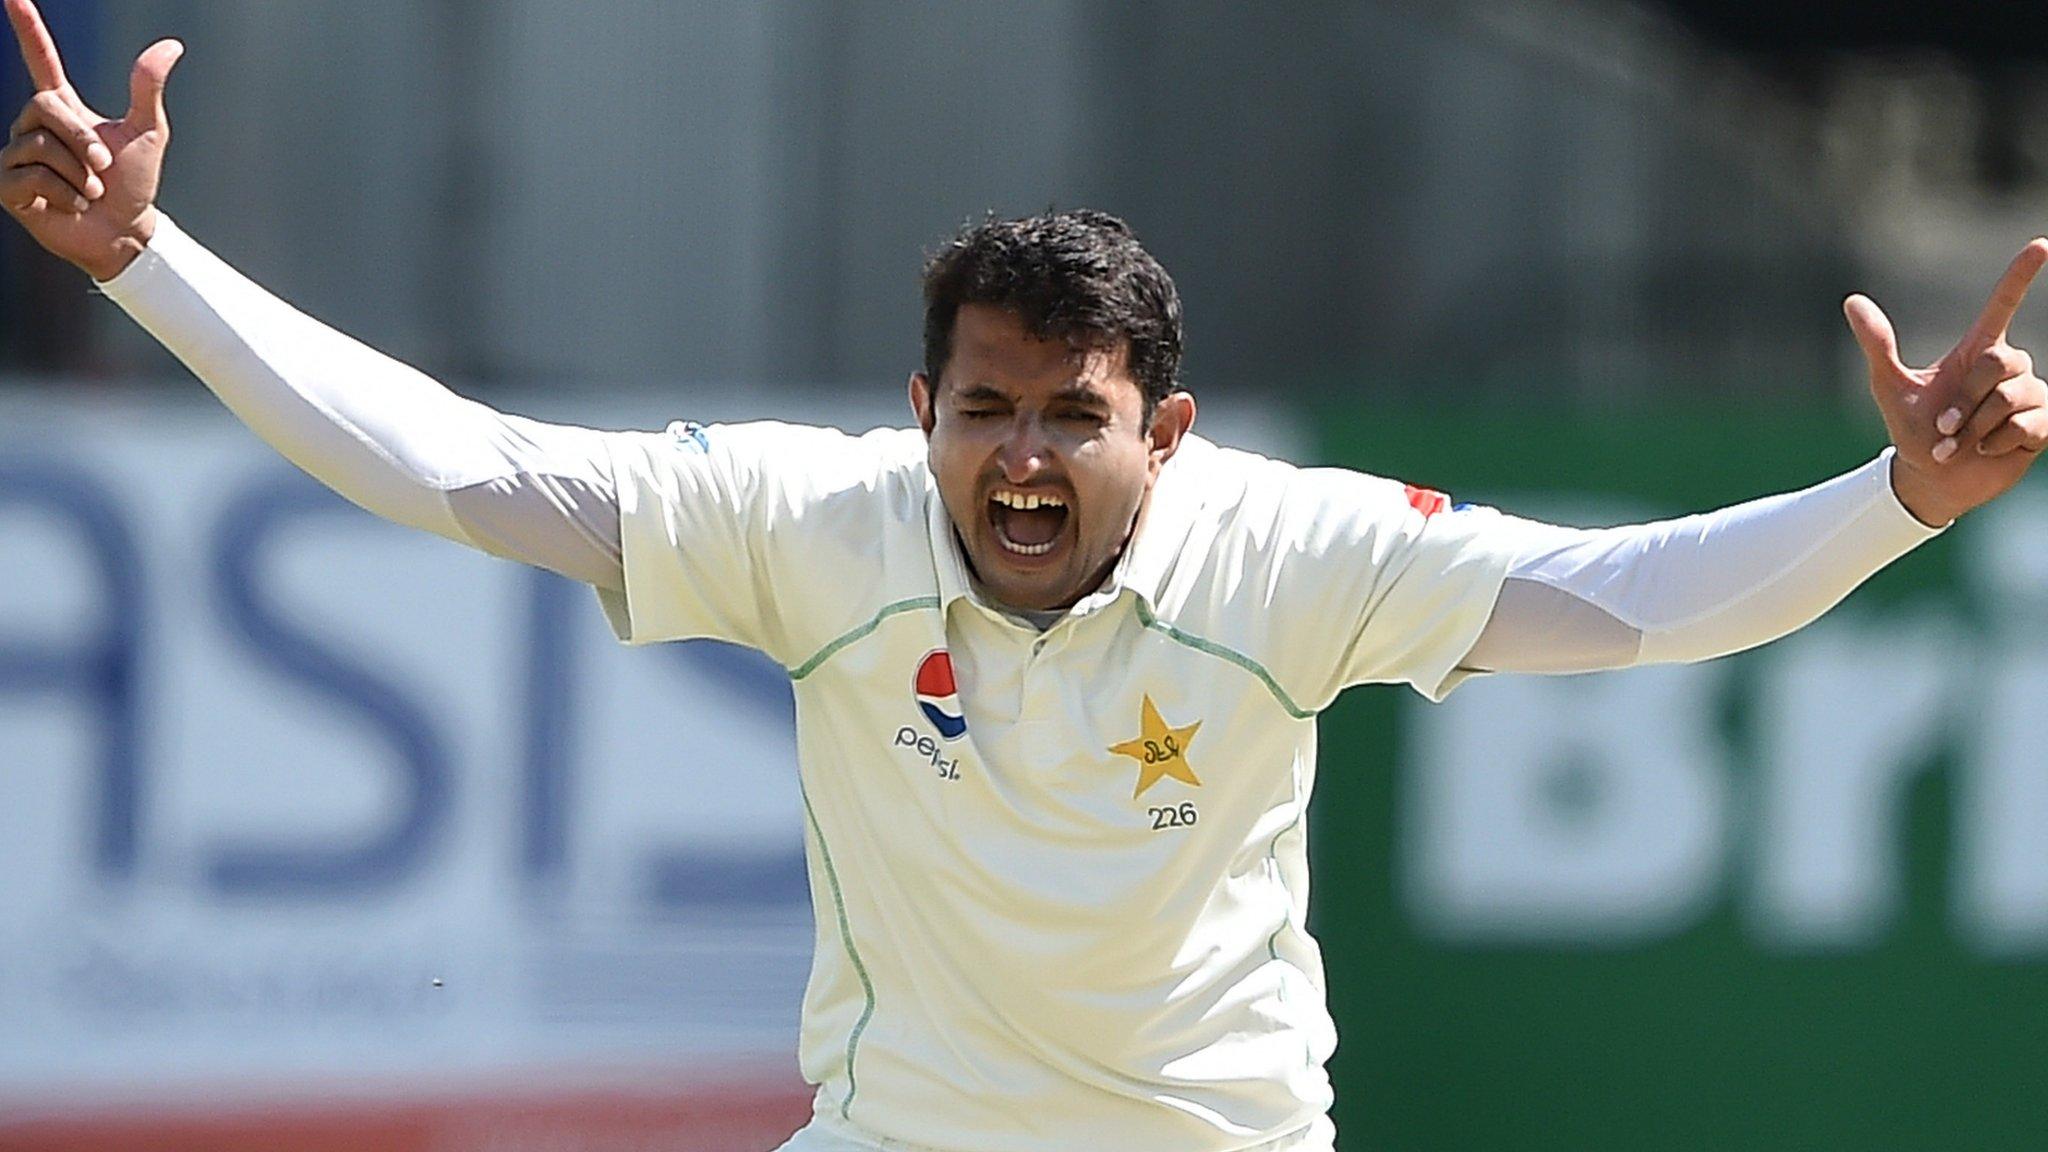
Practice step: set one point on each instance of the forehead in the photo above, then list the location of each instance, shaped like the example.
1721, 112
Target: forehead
993, 349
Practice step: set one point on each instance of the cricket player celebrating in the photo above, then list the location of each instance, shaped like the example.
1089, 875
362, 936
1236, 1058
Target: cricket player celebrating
1057, 660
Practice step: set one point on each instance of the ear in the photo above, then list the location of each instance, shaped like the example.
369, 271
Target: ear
1171, 420
922, 402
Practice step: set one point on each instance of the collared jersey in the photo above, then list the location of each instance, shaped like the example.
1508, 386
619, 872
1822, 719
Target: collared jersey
1060, 877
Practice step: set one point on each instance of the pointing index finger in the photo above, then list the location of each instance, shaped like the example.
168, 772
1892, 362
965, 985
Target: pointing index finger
2006, 297
38, 50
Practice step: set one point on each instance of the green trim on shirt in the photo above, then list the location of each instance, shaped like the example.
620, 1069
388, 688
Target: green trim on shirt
861, 633
867, 985
1243, 661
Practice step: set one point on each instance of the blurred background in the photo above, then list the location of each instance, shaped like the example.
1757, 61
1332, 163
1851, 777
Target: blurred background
319, 835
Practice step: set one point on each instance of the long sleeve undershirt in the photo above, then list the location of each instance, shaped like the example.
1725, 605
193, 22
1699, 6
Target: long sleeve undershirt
394, 441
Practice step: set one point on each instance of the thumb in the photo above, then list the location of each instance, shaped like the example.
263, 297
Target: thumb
146, 85
1873, 332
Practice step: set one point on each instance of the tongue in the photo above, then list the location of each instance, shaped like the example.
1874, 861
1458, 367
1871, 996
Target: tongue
1035, 526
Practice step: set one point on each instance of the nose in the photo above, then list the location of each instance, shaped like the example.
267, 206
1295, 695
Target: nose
1025, 451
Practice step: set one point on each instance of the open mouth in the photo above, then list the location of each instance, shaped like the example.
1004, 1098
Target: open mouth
1027, 523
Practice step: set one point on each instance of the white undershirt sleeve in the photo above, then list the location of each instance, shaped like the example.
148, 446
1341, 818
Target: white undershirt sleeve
1577, 600
378, 432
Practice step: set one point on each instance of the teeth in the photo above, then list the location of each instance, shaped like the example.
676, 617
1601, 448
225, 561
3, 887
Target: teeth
1025, 501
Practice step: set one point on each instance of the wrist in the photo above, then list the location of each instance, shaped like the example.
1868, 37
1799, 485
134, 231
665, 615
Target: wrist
1921, 495
124, 250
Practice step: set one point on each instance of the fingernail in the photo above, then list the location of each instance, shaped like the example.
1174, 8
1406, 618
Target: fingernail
1944, 450
1950, 421
94, 188
98, 156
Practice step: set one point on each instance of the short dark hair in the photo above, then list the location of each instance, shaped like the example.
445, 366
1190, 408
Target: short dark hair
1079, 276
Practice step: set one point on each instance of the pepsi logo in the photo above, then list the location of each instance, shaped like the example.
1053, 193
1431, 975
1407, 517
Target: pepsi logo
938, 695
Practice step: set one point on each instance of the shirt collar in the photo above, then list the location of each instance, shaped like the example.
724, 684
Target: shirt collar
949, 564
1148, 559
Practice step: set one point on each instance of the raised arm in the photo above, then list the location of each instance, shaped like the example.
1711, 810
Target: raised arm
1963, 431
380, 433
1579, 600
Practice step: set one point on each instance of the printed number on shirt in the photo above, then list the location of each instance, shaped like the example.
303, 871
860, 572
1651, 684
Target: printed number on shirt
1182, 815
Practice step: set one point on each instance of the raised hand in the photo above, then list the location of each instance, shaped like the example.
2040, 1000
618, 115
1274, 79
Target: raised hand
83, 185
1968, 426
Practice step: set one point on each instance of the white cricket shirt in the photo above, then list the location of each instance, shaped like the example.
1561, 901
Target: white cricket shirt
1061, 878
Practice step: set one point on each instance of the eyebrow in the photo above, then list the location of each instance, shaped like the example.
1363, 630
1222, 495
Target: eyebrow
1073, 393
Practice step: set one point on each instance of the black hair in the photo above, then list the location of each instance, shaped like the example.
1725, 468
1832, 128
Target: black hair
1078, 276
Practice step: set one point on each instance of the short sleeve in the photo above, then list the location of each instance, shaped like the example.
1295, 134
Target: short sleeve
727, 532
1396, 581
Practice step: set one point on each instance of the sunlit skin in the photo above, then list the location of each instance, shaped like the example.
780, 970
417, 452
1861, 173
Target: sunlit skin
1015, 416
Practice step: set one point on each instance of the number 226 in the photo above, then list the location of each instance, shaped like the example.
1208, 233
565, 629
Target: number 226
1182, 815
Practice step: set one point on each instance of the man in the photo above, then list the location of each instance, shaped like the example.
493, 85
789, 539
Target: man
1057, 660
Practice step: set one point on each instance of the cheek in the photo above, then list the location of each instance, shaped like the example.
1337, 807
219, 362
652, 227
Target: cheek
954, 463
1115, 487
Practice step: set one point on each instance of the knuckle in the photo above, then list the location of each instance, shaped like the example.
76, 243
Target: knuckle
58, 115
52, 152
1991, 413
1998, 361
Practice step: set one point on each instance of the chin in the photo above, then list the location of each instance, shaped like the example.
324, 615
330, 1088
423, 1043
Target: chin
1031, 593
1030, 599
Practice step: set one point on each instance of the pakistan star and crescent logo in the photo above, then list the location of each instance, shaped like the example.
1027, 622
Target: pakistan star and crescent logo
1161, 750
